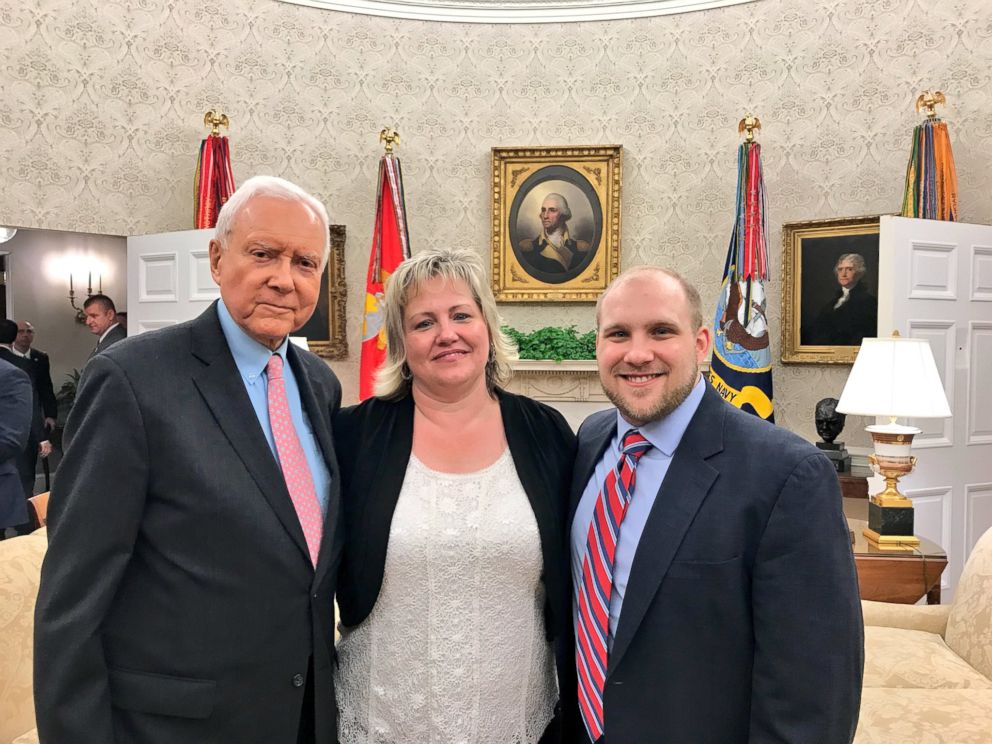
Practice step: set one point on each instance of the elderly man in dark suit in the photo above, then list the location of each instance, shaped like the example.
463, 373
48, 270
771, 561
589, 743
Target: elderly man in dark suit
15, 425
716, 597
187, 592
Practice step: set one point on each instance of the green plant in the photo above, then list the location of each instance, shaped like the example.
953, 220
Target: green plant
68, 389
553, 343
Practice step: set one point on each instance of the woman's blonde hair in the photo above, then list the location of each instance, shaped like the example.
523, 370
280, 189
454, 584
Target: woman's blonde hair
451, 264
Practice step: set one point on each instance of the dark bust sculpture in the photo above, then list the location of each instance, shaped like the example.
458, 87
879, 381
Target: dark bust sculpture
829, 425
829, 421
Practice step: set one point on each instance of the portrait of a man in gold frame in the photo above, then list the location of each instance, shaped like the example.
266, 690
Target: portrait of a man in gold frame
556, 222
326, 331
830, 288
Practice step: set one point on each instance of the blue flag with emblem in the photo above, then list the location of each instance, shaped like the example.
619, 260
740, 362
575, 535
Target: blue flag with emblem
741, 368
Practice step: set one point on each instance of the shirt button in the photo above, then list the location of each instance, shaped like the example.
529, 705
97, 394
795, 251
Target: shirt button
298, 680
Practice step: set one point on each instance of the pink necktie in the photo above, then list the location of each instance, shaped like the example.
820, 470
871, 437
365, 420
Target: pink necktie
295, 470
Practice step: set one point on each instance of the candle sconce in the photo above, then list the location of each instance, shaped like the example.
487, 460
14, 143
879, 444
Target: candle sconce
80, 314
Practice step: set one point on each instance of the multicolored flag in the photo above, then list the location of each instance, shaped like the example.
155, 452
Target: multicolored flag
931, 179
214, 180
390, 247
741, 369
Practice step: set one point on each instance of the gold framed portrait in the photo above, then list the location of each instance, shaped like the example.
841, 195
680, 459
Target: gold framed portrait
830, 289
326, 331
556, 222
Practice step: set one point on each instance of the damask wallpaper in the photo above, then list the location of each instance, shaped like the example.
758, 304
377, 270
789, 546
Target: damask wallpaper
101, 104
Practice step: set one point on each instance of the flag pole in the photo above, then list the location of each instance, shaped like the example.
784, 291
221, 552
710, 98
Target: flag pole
390, 247
740, 369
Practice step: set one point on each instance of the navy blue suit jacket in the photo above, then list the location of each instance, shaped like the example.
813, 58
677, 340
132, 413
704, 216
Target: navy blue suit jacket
741, 622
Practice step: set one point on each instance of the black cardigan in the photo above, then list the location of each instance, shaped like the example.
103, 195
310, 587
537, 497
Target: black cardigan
373, 442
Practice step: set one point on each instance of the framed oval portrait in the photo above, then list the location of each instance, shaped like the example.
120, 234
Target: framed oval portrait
556, 222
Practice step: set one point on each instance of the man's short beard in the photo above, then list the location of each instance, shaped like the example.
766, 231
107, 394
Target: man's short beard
668, 403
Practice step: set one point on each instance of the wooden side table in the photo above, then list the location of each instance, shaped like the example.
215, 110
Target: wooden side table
902, 575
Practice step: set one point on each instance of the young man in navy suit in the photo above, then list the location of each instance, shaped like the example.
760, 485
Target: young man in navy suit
716, 600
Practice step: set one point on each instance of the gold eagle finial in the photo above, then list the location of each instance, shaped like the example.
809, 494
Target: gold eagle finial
747, 127
390, 137
929, 101
215, 121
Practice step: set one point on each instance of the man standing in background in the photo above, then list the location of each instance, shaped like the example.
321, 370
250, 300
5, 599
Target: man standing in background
38, 443
101, 319
46, 391
15, 427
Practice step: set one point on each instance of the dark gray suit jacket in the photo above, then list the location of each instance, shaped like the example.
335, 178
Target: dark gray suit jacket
741, 622
178, 602
116, 334
15, 426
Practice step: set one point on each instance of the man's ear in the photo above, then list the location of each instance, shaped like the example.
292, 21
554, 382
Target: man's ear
216, 250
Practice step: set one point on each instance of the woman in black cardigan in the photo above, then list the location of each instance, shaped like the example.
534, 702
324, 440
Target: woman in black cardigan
455, 594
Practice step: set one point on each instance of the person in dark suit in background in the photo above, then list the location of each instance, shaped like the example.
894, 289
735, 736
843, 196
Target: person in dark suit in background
101, 319
38, 443
46, 391
16, 410
187, 591
726, 610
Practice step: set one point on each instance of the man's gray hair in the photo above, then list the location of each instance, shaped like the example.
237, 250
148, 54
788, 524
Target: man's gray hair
859, 264
276, 188
563, 210
691, 293
452, 264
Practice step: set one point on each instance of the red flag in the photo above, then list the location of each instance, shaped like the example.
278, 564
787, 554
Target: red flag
214, 181
390, 247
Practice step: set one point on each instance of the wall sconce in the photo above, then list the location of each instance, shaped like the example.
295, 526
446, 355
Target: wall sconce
80, 315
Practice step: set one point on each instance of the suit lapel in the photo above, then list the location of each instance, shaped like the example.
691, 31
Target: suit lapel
682, 493
220, 385
319, 415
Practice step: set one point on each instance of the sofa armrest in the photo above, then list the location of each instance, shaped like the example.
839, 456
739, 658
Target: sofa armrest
928, 618
31, 737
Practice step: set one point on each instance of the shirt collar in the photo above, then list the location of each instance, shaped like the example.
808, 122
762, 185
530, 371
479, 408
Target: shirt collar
666, 433
26, 354
250, 356
104, 334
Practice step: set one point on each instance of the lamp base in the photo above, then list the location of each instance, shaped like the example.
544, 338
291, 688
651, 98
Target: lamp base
890, 525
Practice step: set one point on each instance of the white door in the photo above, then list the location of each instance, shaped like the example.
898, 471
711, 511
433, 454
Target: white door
938, 286
168, 279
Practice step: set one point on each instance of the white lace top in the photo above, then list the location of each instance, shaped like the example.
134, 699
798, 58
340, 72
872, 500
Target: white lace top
454, 649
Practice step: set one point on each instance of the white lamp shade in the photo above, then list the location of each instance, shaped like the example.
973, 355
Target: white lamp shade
894, 377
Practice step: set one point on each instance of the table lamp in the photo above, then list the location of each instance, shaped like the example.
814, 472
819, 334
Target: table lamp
893, 377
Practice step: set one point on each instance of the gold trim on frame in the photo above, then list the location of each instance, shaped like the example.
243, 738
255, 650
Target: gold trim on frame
336, 347
600, 166
793, 233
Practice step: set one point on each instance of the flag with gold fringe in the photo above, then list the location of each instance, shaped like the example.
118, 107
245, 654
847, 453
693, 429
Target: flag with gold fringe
931, 181
214, 180
741, 369
390, 247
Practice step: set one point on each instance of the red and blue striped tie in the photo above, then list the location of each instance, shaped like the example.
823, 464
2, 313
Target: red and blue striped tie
592, 626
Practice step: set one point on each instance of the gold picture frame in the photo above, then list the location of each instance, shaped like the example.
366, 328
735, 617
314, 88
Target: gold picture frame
326, 331
581, 187
821, 322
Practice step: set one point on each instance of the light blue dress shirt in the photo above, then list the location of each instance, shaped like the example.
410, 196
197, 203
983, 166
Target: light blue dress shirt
251, 358
664, 436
